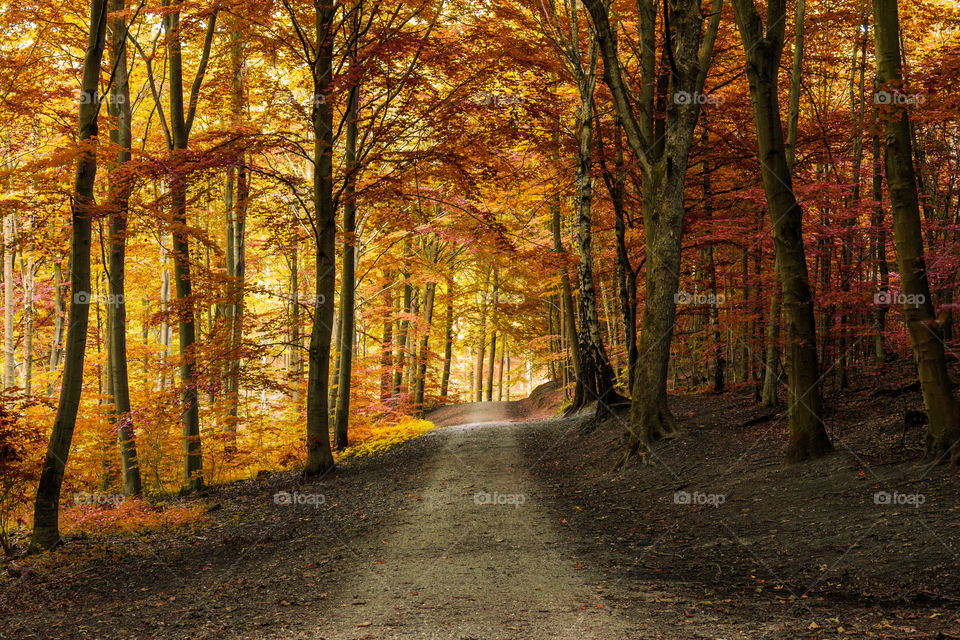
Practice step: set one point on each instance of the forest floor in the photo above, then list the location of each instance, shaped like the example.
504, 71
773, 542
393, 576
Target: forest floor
508, 527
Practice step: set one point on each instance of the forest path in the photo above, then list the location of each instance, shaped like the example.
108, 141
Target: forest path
473, 556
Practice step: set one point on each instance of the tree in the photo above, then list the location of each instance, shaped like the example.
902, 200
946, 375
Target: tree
46, 514
943, 410
763, 48
661, 137
119, 107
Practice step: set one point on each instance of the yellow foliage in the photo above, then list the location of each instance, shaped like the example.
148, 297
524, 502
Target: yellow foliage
376, 437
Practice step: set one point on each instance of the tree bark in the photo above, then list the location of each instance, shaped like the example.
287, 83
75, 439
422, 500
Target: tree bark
943, 410
319, 453
116, 303
46, 515
9, 353
662, 147
447, 341
348, 285
763, 49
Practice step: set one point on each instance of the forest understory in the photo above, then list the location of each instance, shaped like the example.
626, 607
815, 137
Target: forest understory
400, 549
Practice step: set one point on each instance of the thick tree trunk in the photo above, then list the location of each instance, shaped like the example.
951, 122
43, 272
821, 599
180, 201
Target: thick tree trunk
660, 136
116, 302
595, 381
943, 410
46, 531
319, 453
763, 49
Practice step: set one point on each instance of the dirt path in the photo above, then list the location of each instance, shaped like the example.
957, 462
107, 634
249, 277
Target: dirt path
474, 556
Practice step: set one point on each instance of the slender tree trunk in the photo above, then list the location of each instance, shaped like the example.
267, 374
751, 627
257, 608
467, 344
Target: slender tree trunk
59, 311
116, 302
386, 344
503, 352
595, 382
482, 342
494, 303
404, 328
28, 325
296, 358
763, 48
943, 410
348, 286
880, 248
180, 124
429, 296
9, 353
46, 515
319, 453
568, 327
447, 341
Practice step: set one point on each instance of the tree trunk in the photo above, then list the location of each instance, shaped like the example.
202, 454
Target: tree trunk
181, 121
296, 358
568, 327
404, 323
46, 515
763, 49
421, 380
59, 311
9, 353
447, 341
28, 325
319, 453
660, 136
879, 248
348, 286
595, 381
943, 410
386, 344
494, 303
116, 302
